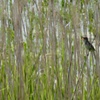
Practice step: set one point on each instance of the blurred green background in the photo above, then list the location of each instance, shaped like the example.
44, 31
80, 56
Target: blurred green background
42, 56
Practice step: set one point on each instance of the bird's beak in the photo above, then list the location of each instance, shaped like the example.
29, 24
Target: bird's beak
82, 37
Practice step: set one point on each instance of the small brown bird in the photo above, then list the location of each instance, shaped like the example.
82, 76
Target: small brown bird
88, 45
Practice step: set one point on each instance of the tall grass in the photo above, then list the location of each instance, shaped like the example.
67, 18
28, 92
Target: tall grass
42, 56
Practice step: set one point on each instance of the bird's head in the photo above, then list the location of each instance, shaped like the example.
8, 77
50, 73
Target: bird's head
84, 38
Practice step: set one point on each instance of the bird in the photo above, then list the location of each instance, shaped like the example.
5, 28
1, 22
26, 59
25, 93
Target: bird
88, 45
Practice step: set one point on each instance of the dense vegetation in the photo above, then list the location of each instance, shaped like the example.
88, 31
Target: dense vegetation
42, 56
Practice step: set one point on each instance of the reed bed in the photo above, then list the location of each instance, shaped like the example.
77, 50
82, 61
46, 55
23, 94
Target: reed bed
42, 56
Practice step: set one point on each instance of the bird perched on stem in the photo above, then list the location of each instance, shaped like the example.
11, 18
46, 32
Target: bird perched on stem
88, 45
